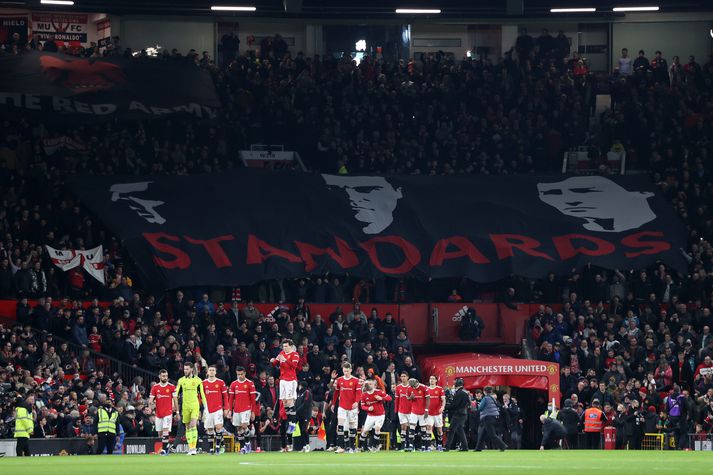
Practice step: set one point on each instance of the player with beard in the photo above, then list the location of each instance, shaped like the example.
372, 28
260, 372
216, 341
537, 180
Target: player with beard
161, 400
191, 387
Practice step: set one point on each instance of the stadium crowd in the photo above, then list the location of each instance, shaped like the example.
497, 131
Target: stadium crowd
638, 342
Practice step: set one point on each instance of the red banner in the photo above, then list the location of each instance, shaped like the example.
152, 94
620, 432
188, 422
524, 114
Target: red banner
479, 371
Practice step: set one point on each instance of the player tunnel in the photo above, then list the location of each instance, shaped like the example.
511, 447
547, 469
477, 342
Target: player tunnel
479, 370
530, 381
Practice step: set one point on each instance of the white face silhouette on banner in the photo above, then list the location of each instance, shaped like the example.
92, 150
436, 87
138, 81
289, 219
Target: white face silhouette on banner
604, 205
144, 208
372, 198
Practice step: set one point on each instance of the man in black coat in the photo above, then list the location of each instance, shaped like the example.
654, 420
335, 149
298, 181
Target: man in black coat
570, 420
458, 414
303, 409
552, 431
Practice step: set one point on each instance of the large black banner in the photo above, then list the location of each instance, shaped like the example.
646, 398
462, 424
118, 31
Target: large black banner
247, 225
59, 84
10, 25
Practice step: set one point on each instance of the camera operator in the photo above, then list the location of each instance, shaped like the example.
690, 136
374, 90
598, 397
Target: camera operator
458, 414
635, 421
471, 325
552, 432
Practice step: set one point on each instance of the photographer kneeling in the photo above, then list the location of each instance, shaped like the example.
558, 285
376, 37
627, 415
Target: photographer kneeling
552, 432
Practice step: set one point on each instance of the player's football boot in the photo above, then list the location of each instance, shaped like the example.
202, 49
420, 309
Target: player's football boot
339, 450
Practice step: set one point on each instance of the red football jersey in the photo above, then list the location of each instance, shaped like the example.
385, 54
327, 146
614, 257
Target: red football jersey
216, 394
403, 405
163, 397
418, 401
369, 399
348, 391
242, 395
434, 404
288, 369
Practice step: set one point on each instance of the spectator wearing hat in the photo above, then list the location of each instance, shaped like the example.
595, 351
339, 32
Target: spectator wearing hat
107, 425
650, 420
129, 423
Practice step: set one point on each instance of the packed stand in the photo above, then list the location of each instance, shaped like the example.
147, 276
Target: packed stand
52, 361
617, 332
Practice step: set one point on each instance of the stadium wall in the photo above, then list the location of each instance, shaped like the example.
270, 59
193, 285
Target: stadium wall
138, 33
426, 323
294, 34
672, 38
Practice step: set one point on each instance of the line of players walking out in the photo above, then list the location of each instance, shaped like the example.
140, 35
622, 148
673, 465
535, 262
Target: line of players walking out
415, 404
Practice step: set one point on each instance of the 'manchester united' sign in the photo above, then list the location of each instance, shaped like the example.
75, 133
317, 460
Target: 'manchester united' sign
478, 371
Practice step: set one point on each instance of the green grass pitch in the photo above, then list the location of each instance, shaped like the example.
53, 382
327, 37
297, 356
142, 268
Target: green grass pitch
451, 463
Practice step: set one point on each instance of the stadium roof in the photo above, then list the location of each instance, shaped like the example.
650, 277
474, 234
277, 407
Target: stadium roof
350, 9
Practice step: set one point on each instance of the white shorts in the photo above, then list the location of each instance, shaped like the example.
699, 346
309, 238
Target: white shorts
240, 418
435, 421
164, 423
288, 390
212, 419
416, 418
351, 416
373, 422
407, 418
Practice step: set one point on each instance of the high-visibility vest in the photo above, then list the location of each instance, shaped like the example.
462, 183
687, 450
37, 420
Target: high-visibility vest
107, 422
593, 420
24, 425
